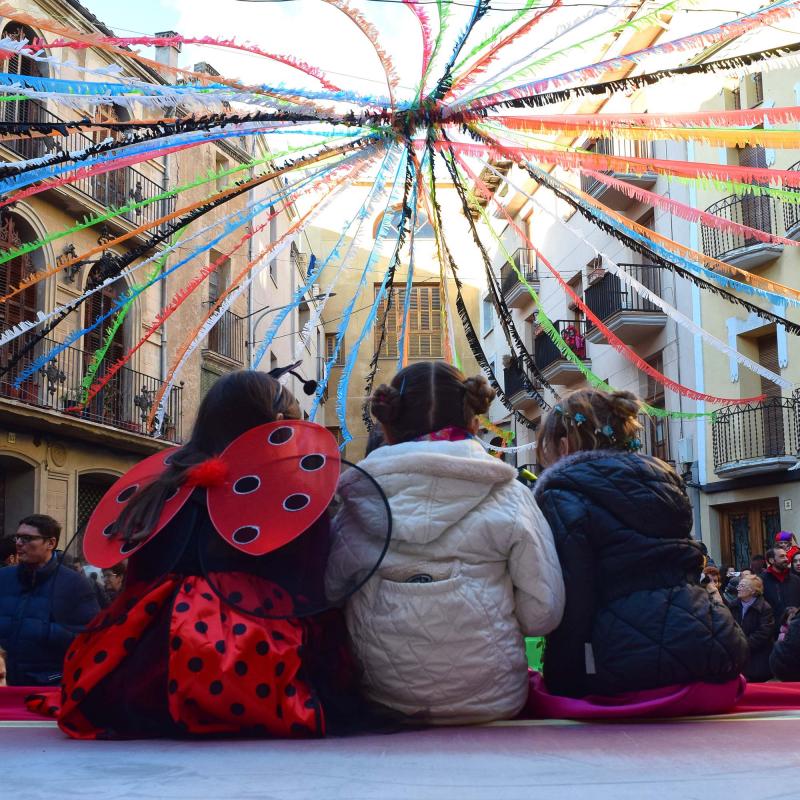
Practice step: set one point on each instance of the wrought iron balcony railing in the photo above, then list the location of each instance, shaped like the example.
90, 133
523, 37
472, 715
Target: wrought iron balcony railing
513, 381
791, 211
759, 212
116, 188
610, 295
756, 432
525, 261
229, 336
614, 147
124, 403
574, 334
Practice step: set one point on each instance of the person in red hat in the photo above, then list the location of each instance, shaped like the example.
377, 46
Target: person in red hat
786, 541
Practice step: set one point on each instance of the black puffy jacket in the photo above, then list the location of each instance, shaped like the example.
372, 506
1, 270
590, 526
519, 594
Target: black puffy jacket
785, 658
636, 616
758, 626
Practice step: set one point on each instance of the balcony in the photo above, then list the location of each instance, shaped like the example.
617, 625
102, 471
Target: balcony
761, 213
124, 403
514, 387
621, 148
116, 188
791, 214
623, 310
228, 337
514, 291
756, 438
554, 367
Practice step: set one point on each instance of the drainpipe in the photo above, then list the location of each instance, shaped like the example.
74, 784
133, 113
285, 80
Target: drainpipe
700, 476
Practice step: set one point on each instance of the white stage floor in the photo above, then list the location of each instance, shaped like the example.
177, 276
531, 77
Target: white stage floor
703, 759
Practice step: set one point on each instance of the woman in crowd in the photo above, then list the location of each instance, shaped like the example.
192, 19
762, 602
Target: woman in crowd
636, 616
471, 568
795, 565
754, 615
204, 637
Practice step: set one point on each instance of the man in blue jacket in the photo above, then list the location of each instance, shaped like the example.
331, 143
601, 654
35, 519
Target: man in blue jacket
43, 604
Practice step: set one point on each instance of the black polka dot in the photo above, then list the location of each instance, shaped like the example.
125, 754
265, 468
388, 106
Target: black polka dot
278, 636
121, 619
239, 628
201, 627
172, 494
129, 644
70, 655
187, 587
173, 687
279, 711
176, 643
182, 607
76, 676
127, 547
241, 668
268, 604
262, 690
280, 667
151, 608
219, 646
280, 435
296, 502
223, 616
126, 494
313, 462
109, 529
235, 597
216, 687
78, 695
195, 664
237, 709
290, 691
262, 648
247, 485
52, 710
100, 657
246, 534
207, 596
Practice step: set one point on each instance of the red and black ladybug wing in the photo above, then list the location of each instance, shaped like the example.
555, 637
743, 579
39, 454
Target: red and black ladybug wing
282, 476
104, 550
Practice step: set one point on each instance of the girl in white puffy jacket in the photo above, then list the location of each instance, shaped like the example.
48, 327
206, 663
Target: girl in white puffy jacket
471, 568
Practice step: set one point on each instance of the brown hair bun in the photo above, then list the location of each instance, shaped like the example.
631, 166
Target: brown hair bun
386, 403
478, 396
624, 405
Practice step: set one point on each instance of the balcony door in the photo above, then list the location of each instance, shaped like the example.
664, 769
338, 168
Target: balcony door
772, 417
748, 529
20, 308
15, 64
108, 405
755, 209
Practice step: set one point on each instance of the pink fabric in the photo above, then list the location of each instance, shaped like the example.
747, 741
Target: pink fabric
694, 699
451, 434
12, 702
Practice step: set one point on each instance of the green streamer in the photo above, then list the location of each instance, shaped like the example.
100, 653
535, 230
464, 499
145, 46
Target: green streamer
638, 24
494, 35
444, 12
29, 247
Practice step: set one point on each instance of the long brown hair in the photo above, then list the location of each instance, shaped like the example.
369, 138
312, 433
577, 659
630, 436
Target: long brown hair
428, 396
589, 419
236, 403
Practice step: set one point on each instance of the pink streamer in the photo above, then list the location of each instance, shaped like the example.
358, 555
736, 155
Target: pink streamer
425, 28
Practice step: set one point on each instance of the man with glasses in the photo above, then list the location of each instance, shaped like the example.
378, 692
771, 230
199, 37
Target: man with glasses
43, 604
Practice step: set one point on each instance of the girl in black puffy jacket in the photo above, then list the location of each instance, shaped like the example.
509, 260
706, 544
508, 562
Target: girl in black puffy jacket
636, 615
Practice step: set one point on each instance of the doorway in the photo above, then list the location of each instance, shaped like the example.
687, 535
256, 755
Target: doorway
747, 529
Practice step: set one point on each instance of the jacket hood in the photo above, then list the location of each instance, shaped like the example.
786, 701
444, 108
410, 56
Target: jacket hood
635, 489
431, 486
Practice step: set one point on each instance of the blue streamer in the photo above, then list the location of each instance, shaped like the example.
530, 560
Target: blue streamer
312, 278
401, 342
236, 222
352, 356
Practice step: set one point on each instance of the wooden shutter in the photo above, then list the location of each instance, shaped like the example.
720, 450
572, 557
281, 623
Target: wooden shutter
768, 357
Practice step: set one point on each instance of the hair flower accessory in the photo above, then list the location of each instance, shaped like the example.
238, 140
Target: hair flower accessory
608, 432
579, 419
634, 445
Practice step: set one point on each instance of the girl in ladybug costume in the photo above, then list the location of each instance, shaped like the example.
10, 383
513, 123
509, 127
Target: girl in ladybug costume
214, 632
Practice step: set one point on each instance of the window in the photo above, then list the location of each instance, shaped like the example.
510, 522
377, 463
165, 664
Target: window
488, 316
424, 229
220, 164
655, 430
424, 329
273, 237
330, 346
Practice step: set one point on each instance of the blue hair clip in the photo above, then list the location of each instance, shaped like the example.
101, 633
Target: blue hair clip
579, 419
608, 432
557, 409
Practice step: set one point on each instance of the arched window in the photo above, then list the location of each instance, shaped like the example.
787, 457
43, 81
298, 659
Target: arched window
424, 229
110, 188
21, 110
14, 231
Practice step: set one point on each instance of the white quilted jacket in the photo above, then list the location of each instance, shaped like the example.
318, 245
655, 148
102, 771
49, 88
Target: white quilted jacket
449, 650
